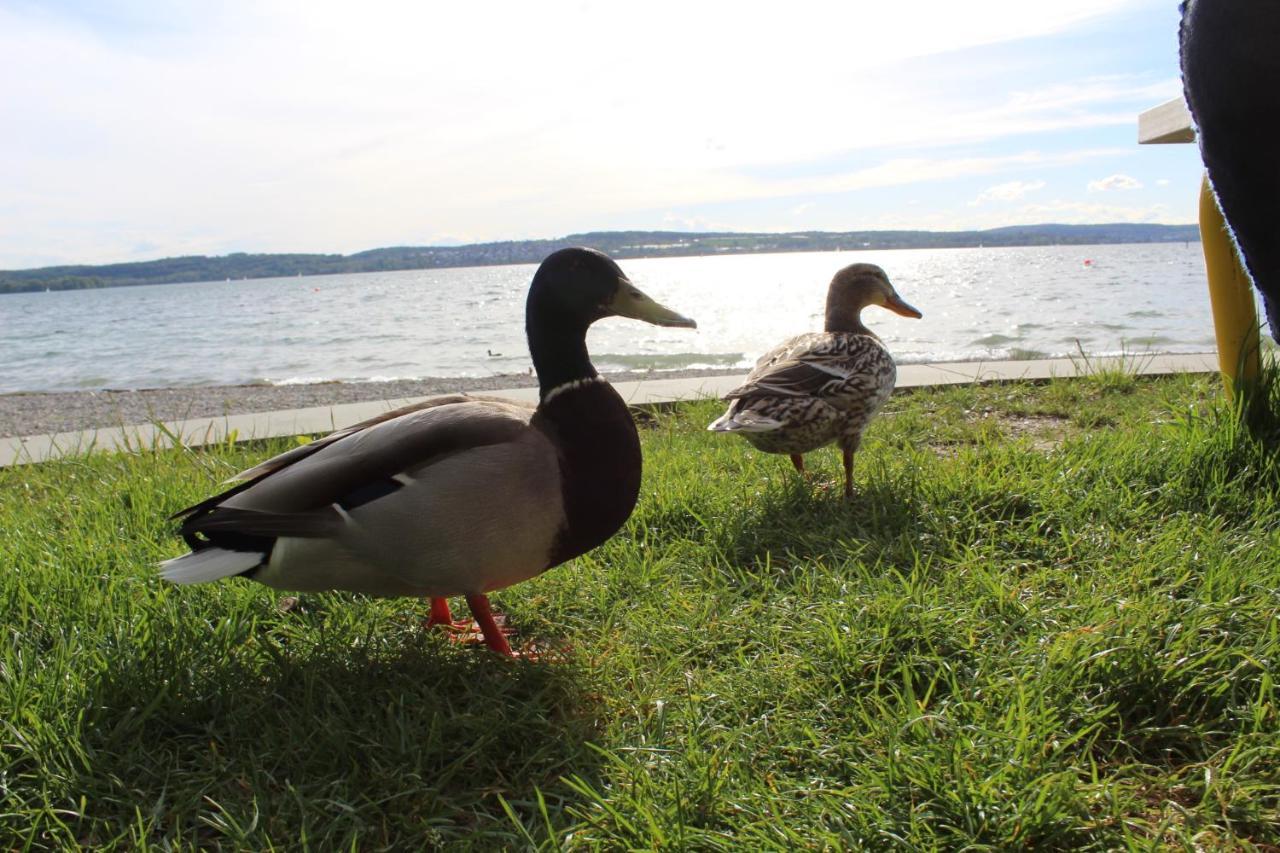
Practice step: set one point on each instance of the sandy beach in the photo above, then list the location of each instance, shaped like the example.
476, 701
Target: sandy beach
44, 413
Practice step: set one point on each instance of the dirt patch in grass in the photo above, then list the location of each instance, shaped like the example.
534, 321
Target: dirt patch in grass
1044, 432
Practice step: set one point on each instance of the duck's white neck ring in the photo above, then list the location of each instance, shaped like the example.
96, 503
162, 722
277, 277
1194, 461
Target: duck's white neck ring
570, 386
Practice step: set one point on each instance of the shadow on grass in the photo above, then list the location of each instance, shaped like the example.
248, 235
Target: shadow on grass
356, 740
806, 520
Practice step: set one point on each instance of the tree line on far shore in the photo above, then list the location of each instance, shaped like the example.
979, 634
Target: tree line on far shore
619, 244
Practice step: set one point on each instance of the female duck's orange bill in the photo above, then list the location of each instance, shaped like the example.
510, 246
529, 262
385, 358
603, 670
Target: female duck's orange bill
898, 306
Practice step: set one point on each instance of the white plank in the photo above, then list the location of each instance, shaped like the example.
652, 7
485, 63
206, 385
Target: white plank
1170, 122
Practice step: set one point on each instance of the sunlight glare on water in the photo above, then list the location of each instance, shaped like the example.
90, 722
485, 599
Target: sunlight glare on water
977, 303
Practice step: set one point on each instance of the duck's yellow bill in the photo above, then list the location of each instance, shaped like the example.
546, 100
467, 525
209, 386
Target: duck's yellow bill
630, 301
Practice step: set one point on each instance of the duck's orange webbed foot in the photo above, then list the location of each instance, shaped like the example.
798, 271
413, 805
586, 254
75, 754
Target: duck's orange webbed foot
464, 631
487, 627
442, 617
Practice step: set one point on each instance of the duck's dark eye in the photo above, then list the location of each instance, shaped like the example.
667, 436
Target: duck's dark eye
635, 294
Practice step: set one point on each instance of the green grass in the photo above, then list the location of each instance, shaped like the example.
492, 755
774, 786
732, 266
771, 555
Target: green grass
1047, 619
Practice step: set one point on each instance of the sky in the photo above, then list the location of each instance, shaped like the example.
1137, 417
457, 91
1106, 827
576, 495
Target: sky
138, 130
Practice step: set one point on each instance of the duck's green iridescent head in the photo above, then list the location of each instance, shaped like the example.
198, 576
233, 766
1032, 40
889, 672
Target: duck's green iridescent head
587, 285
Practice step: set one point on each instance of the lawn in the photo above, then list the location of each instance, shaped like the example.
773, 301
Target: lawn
1047, 618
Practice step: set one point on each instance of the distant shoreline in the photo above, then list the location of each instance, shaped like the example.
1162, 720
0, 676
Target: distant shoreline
621, 245
43, 413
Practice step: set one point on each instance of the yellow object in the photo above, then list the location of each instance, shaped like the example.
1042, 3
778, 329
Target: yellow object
1235, 319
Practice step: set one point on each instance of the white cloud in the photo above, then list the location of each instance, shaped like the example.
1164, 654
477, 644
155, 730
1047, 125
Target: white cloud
1114, 182
1009, 191
1059, 211
676, 222
252, 126
918, 170
1075, 212
1162, 182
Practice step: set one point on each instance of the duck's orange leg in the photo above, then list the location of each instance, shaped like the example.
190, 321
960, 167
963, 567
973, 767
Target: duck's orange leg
440, 614
798, 461
461, 630
484, 627
493, 636
848, 472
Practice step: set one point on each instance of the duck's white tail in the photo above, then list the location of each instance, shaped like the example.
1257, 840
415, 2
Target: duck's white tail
208, 564
743, 421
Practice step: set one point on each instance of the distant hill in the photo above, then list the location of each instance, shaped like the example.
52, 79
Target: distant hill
619, 244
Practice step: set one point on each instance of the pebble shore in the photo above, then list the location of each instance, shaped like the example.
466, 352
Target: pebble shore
23, 414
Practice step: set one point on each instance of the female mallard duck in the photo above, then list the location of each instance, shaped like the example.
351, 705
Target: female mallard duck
456, 495
821, 387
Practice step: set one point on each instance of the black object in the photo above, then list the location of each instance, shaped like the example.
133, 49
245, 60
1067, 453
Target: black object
1230, 52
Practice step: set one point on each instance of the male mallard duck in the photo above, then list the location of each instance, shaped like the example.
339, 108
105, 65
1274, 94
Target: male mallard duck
821, 387
455, 495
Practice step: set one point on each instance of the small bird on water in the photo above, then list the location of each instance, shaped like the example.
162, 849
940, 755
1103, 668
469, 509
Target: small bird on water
821, 387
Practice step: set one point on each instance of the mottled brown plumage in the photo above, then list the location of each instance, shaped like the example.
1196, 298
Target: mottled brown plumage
821, 387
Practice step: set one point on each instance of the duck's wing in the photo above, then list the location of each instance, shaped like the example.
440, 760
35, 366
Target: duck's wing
304, 491
809, 366
283, 460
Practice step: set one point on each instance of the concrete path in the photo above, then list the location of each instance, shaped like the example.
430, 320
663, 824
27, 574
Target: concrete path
198, 431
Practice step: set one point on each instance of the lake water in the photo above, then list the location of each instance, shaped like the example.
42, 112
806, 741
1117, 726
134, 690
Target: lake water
977, 303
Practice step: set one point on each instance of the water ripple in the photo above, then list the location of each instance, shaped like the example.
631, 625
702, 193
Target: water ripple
977, 303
